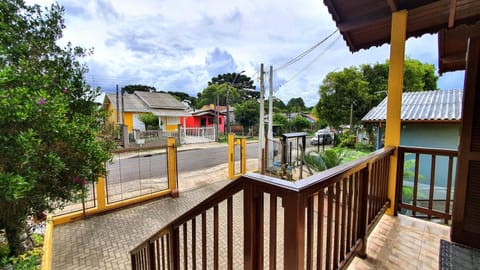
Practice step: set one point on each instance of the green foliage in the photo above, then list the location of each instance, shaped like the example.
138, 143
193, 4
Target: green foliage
320, 161
138, 87
347, 140
236, 84
299, 123
51, 131
247, 113
364, 87
280, 120
296, 105
364, 147
210, 93
150, 120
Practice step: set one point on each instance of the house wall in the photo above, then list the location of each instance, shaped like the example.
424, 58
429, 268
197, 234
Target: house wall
129, 121
432, 136
195, 121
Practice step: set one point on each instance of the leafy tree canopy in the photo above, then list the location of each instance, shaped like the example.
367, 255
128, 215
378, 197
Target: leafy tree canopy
247, 113
51, 131
138, 87
209, 95
361, 88
236, 83
296, 105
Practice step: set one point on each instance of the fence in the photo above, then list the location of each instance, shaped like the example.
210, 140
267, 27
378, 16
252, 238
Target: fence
424, 181
197, 135
139, 181
259, 222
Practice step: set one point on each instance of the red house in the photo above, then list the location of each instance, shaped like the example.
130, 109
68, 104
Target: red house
204, 118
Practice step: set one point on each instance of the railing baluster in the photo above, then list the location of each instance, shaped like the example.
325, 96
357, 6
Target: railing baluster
185, 246
309, 233
215, 237
194, 243
230, 233
415, 181
174, 248
449, 187
294, 232
163, 252
151, 255
204, 240
344, 219
355, 208
432, 184
349, 217
328, 248
273, 232
337, 225
320, 207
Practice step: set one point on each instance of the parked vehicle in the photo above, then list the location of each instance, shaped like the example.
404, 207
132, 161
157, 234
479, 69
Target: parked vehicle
322, 136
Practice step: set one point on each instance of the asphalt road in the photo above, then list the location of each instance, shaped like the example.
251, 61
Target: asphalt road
154, 166
143, 166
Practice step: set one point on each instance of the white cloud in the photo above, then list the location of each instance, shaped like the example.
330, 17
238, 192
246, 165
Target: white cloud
179, 45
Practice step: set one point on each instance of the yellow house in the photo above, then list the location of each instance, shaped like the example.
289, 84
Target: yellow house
131, 106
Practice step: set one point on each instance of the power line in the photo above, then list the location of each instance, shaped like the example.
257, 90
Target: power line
303, 54
311, 62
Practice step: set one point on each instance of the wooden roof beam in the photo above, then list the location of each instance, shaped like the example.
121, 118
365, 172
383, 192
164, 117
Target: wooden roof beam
392, 5
451, 14
364, 22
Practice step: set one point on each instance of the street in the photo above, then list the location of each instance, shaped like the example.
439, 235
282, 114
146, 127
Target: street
146, 166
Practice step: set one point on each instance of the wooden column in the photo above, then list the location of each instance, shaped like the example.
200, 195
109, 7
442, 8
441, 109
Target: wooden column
466, 204
394, 101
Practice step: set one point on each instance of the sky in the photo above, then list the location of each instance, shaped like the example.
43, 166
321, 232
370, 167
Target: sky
179, 45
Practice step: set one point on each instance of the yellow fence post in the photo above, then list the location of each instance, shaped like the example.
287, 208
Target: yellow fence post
231, 156
394, 104
172, 166
101, 195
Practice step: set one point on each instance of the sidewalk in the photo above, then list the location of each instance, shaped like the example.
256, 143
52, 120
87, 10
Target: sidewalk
104, 241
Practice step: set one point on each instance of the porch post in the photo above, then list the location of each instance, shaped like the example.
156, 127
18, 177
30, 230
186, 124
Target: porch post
394, 101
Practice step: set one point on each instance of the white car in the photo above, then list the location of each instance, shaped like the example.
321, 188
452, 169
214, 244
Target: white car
321, 135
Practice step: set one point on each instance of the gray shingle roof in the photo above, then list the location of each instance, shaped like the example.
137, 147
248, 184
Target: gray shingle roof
439, 105
160, 104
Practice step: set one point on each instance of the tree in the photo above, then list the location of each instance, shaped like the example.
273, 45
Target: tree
296, 105
358, 89
138, 87
149, 120
237, 83
209, 95
299, 123
247, 113
51, 131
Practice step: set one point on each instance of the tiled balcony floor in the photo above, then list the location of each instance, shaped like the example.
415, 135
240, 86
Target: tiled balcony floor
403, 243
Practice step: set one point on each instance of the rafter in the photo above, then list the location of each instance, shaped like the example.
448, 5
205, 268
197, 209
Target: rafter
451, 14
392, 5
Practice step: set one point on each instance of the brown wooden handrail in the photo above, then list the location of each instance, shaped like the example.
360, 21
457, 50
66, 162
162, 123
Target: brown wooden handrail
338, 206
412, 206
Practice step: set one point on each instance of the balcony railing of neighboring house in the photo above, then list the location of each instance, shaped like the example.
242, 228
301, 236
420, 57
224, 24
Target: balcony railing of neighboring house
260, 222
425, 181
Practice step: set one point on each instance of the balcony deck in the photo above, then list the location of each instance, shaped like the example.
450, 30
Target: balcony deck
396, 243
403, 243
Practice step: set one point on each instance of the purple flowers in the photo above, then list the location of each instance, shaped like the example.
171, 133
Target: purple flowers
78, 180
41, 101
65, 90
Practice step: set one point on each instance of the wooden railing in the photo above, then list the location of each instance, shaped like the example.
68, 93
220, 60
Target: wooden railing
260, 222
424, 182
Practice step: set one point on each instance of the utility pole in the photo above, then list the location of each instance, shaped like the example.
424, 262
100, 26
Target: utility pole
261, 125
228, 111
270, 120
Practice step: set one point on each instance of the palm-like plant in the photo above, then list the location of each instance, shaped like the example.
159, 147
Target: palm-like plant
320, 161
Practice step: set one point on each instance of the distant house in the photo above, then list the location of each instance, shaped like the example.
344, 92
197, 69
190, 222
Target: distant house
205, 117
168, 109
429, 118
